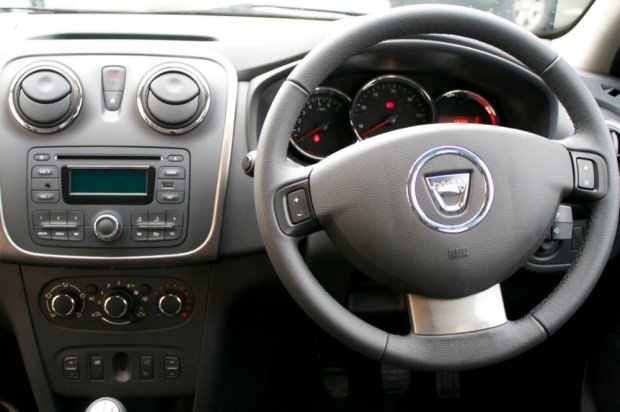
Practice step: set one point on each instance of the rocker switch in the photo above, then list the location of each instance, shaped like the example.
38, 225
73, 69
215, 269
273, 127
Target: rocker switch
297, 203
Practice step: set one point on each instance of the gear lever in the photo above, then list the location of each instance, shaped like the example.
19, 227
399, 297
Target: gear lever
106, 405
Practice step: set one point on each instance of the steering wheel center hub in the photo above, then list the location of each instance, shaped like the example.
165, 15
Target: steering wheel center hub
450, 188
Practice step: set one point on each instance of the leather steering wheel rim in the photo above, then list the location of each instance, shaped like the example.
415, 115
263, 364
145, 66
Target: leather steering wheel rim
452, 351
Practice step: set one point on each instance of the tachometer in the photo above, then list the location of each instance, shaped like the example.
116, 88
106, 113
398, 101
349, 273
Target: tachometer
388, 103
463, 106
323, 127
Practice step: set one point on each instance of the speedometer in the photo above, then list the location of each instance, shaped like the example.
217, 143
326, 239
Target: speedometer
388, 103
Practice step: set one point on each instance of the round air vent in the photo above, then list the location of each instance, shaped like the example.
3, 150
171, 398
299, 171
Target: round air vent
45, 97
173, 98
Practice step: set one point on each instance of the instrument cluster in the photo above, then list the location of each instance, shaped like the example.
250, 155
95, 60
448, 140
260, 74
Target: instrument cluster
331, 120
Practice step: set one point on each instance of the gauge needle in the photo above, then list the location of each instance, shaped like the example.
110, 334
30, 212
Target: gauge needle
320, 128
390, 120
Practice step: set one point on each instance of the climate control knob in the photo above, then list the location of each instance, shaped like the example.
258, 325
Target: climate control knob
64, 304
117, 304
107, 227
170, 304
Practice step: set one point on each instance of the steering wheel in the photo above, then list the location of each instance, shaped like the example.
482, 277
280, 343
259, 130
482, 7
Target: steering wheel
443, 213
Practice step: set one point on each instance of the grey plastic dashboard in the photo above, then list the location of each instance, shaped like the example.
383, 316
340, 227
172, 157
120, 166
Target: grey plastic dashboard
243, 73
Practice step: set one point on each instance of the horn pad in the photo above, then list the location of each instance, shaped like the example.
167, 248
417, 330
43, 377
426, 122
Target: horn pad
442, 211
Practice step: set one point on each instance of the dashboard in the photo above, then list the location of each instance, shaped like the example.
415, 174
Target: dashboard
407, 83
126, 215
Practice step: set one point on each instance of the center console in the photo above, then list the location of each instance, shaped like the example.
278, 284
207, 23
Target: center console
113, 174
125, 333
114, 157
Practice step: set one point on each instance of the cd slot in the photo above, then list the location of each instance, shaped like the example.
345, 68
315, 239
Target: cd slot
107, 157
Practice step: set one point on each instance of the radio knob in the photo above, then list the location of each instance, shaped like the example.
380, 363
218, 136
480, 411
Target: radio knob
107, 227
117, 304
170, 304
64, 304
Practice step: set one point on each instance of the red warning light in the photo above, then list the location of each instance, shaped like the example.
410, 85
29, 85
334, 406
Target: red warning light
389, 105
316, 138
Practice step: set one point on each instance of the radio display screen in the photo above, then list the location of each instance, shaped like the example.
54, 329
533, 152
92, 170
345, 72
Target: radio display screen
108, 185
108, 182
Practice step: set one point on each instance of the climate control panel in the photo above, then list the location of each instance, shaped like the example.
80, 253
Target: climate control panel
99, 303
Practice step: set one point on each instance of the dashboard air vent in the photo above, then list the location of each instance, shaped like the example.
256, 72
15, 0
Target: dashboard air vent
45, 97
173, 99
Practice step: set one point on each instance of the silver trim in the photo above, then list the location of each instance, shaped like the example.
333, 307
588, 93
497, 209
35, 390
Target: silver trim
321, 90
396, 77
478, 163
76, 96
488, 107
204, 95
220, 193
482, 310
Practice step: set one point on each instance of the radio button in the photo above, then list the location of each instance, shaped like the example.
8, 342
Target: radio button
175, 158
45, 171
42, 157
172, 172
76, 235
139, 218
75, 218
174, 219
51, 196
157, 218
173, 234
59, 234
139, 235
44, 184
41, 217
42, 234
170, 197
58, 218
155, 235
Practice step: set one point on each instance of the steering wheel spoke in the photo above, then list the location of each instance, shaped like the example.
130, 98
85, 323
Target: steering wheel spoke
293, 206
482, 310
589, 170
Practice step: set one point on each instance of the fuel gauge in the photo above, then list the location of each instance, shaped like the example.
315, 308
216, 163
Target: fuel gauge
464, 106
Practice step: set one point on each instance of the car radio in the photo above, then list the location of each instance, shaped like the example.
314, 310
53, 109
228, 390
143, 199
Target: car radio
108, 196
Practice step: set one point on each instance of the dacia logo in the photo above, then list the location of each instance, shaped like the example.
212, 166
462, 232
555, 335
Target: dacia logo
449, 192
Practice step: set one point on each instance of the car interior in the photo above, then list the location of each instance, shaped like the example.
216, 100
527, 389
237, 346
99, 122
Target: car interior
306, 207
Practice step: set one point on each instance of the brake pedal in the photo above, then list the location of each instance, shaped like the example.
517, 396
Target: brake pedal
448, 385
395, 380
